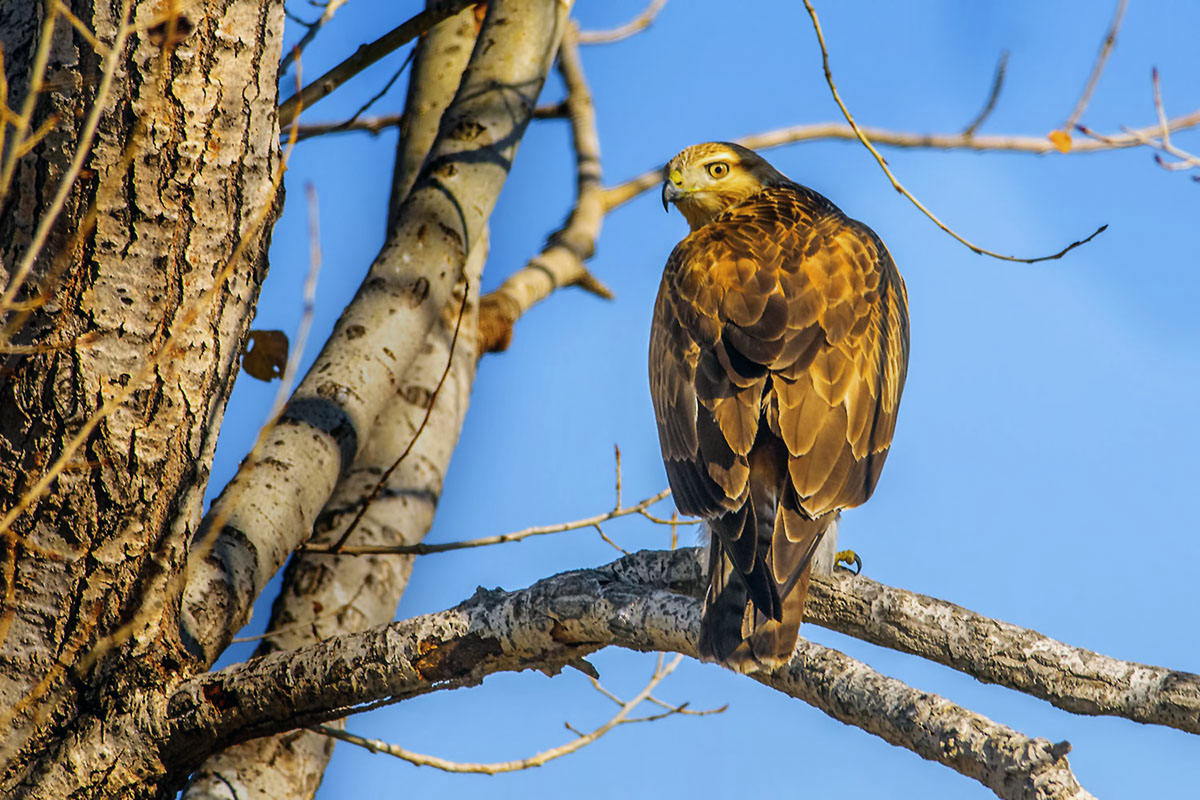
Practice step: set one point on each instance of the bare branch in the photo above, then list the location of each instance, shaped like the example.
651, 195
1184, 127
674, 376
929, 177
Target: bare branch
1184, 160
422, 548
993, 651
375, 125
993, 95
812, 13
381, 332
561, 263
313, 28
652, 178
387, 473
631, 28
1106, 47
559, 620
582, 739
366, 55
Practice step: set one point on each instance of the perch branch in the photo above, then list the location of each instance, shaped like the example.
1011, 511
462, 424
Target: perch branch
561, 619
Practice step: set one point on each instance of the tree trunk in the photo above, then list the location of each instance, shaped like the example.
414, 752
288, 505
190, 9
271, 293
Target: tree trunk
144, 290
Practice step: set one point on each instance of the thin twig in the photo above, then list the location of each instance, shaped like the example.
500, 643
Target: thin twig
83, 30
366, 55
609, 541
581, 739
631, 28
1106, 47
82, 151
386, 87
383, 479
423, 548
993, 95
314, 28
812, 13
375, 125
1185, 160
1038, 145
309, 309
37, 76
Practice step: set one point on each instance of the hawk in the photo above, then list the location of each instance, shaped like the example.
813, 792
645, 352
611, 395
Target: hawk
778, 353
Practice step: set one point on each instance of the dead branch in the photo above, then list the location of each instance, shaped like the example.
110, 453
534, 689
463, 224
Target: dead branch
1071, 678
1183, 159
562, 262
366, 55
634, 26
1110, 38
1009, 143
582, 739
423, 548
989, 105
375, 125
812, 13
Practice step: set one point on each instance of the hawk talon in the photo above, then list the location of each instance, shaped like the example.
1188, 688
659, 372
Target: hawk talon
848, 557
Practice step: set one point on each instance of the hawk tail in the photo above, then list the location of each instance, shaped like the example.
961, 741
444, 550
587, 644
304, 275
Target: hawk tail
738, 629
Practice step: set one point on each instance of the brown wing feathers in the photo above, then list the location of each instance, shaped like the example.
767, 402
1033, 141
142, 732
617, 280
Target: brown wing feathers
777, 358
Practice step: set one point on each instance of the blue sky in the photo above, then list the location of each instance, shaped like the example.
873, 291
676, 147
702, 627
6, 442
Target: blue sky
1043, 469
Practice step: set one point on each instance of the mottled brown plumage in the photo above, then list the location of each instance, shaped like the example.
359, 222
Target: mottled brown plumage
777, 357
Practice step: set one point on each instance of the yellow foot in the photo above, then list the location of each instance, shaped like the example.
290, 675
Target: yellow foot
848, 557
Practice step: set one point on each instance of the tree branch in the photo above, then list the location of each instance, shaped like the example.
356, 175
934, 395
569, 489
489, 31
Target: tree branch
580, 741
1106, 47
366, 55
633, 27
322, 597
561, 619
993, 651
561, 263
983, 251
381, 332
1011, 143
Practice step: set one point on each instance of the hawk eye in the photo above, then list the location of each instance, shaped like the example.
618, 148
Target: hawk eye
717, 169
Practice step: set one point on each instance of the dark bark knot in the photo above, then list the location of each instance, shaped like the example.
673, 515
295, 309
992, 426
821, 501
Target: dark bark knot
438, 660
219, 697
419, 290
467, 131
355, 331
418, 396
170, 32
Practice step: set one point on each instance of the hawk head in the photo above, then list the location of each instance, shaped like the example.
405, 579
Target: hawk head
705, 179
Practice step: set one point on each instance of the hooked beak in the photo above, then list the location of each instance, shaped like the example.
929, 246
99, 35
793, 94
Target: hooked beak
670, 193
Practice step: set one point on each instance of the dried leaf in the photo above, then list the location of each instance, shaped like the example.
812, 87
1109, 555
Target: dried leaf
1061, 141
266, 354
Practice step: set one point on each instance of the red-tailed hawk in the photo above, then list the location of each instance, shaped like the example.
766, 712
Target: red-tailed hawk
777, 357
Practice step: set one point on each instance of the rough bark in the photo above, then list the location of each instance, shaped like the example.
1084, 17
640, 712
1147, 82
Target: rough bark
560, 620
323, 596
270, 507
178, 179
